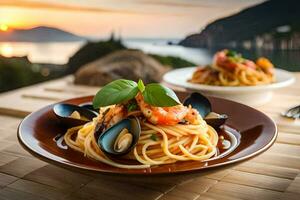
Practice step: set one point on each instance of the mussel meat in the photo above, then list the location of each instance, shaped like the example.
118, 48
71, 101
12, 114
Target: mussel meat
216, 120
121, 138
72, 115
203, 105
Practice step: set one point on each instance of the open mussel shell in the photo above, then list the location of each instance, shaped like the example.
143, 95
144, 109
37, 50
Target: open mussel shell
216, 120
112, 138
89, 105
203, 106
199, 102
64, 111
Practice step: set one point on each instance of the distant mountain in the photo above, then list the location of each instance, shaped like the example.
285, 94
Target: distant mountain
273, 24
39, 34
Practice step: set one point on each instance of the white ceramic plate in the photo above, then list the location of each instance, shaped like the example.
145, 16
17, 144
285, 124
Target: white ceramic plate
251, 95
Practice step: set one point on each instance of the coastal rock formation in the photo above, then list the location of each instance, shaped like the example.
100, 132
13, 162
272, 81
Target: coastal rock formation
39, 34
91, 51
270, 25
127, 64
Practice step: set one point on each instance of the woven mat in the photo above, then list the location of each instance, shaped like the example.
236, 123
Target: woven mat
274, 174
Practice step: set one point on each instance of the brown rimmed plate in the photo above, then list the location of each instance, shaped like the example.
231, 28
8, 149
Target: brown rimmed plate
251, 132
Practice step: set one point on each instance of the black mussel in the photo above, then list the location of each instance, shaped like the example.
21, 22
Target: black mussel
199, 102
121, 138
203, 106
73, 115
215, 120
89, 105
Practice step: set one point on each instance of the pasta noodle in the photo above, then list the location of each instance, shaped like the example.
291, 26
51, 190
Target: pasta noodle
157, 145
227, 70
146, 127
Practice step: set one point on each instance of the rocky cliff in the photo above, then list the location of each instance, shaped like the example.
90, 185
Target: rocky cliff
273, 24
39, 34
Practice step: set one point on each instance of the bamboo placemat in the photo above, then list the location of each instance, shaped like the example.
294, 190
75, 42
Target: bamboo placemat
274, 174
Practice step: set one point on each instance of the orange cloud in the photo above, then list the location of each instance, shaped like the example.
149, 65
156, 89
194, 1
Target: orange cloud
58, 6
176, 4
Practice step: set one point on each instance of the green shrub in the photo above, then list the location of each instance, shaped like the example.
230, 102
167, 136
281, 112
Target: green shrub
174, 62
17, 72
92, 51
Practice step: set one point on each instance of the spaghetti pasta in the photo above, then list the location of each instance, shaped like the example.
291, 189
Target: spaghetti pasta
148, 126
158, 144
230, 69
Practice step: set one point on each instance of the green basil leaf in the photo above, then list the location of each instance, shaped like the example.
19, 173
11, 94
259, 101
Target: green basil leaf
132, 106
115, 92
231, 53
153, 137
158, 95
141, 85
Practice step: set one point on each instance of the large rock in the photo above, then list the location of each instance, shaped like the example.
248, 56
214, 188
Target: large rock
260, 22
127, 64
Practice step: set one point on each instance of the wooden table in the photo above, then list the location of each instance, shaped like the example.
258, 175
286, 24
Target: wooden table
274, 174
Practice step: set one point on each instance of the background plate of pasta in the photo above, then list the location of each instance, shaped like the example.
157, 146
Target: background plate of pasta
132, 128
233, 77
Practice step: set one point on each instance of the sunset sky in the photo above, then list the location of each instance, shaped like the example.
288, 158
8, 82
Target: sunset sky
133, 18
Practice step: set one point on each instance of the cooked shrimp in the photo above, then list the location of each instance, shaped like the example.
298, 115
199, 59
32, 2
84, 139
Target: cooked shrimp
222, 60
192, 116
162, 115
249, 64
219, 57
112, 115
265, 65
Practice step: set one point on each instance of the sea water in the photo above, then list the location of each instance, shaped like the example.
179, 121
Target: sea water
60, 52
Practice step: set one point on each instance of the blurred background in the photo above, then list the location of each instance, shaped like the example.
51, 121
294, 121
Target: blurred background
46, 39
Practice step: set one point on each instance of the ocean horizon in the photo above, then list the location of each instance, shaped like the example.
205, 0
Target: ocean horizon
60, 52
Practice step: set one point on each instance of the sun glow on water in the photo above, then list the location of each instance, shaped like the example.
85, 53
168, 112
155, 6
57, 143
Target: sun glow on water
3, 27
6, 50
